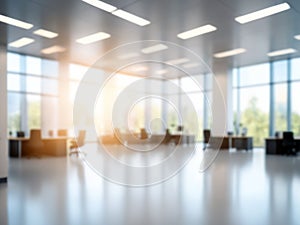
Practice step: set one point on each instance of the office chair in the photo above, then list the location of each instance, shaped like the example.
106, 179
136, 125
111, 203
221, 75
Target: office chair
77, 143
288, 143
206, 135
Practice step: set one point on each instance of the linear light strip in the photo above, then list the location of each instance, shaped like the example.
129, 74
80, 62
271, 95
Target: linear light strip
101, 5
45, 33
262, 13
15, 22
53, 49
93, 38
130, 17
229, 53
282, 52
21, 42
154, 48
197, 31
297, 37
177, 61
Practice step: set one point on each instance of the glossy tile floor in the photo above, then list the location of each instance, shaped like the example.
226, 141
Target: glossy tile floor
239, 188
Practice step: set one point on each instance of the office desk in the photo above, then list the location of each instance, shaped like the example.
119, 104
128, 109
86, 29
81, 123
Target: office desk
238, 142
274, 145
54, 146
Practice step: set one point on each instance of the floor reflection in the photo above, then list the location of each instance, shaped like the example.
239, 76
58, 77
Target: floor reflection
238, 188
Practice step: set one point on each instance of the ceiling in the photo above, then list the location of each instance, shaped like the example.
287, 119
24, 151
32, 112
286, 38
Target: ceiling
73, 19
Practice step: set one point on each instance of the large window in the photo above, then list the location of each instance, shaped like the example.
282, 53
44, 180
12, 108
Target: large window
265, 98
32, 85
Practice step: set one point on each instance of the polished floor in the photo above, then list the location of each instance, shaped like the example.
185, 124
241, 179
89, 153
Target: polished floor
238, 188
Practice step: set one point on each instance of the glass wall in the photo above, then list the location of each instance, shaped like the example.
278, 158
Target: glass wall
265, 98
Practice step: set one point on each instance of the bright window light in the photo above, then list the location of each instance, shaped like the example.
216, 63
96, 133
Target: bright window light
53, 49
197, 31
93, 38
15, 22
21, 42
263, 13
154, 48
229, 53
101, 5
130, 17
177, 61
282, 52
45, 33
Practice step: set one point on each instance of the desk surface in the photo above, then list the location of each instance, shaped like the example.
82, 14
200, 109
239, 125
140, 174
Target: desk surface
27, 138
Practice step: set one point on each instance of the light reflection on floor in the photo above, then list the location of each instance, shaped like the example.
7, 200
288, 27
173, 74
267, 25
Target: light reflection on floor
239, 188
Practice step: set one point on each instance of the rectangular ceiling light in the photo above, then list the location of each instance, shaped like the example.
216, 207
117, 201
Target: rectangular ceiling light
282, 52
262, 13
139, 68
53, 49
161, 72
229, 53
93, 38
297, 37
130, 17
191, 65
177, 61
45, 33
154, 48
101, 5
129, 55
21, 42
197, 31
14, 22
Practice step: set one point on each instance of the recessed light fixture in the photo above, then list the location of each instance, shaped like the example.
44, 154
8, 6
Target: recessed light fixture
53, 49
101, 5
21, 42
177, 61
197, 31
93, 38
263, 13
154, 48
282, 52
229, 53
128, 55
130, 17
191, 65
15, 22
297, 37
138, 68
161, 72
45, 33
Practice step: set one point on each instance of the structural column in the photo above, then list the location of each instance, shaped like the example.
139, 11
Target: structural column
65, 112
3, 116
222, 99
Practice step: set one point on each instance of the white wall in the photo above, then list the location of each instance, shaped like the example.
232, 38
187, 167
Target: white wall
222, 99
3, 114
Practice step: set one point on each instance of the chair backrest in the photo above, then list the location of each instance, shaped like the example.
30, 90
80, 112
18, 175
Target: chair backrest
62, 133
206, 135
34, 145
35, 134
20, 134
81, 138
288, 135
